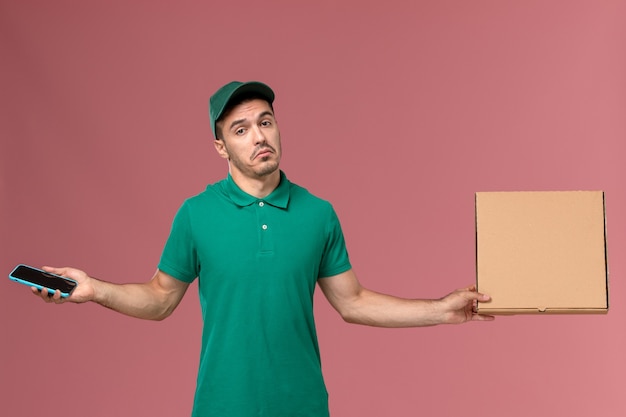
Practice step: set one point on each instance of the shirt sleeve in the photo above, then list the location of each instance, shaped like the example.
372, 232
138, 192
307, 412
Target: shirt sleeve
179, 258
335, 258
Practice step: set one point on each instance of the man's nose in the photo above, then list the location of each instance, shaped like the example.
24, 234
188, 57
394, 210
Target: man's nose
259, 136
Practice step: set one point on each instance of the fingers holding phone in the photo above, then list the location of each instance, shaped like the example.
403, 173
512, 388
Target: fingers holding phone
84, 288
47, 296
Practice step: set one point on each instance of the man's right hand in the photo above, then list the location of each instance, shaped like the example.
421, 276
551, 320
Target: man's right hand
83, 292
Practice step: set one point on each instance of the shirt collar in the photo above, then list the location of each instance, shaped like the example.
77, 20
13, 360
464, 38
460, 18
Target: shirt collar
277, 198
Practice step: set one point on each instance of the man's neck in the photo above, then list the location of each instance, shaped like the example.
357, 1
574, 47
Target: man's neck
259, 187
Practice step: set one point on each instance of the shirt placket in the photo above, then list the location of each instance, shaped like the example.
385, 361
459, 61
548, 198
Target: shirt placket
264, 227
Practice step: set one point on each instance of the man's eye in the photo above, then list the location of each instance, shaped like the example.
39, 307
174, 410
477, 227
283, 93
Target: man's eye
240, 131
266, 123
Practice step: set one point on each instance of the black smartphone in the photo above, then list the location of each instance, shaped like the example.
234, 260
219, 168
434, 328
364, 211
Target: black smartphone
39, 279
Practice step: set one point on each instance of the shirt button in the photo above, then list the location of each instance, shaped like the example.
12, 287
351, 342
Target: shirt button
261, 204
264, 227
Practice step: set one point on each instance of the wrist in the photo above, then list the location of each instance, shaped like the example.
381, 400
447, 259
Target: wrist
98, 291
440, 312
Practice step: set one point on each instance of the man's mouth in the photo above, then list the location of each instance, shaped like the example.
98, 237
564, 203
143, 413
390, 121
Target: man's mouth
262, 153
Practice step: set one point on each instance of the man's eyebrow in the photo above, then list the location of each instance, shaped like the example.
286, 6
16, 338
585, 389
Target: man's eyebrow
266, 113
236, 122
239, 121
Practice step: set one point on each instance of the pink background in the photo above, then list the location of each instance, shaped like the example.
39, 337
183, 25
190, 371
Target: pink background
394, 111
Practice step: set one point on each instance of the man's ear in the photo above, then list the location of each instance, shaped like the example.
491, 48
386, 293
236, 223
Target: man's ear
220, 147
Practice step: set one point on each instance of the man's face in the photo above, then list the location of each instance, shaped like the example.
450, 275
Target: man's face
250, 139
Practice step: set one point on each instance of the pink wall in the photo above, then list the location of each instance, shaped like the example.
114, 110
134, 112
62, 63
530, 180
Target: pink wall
397, 113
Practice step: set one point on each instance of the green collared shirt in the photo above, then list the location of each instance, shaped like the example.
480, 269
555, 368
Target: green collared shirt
257, 261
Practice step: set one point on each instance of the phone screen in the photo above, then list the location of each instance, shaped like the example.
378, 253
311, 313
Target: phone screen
43, 278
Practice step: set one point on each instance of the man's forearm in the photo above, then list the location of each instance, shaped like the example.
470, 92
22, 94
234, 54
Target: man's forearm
380, 310
143, 300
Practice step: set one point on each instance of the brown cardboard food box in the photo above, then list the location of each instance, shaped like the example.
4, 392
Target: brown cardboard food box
541, 252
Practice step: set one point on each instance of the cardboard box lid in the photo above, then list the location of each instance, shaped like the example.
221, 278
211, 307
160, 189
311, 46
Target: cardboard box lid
541, 252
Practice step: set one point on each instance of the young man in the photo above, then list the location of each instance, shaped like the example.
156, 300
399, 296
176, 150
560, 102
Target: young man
259, 244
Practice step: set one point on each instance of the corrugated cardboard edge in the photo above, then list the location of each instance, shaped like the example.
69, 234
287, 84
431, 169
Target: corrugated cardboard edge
482, 308
606, 254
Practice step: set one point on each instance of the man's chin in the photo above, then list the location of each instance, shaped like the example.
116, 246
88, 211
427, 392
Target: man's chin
267, 169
